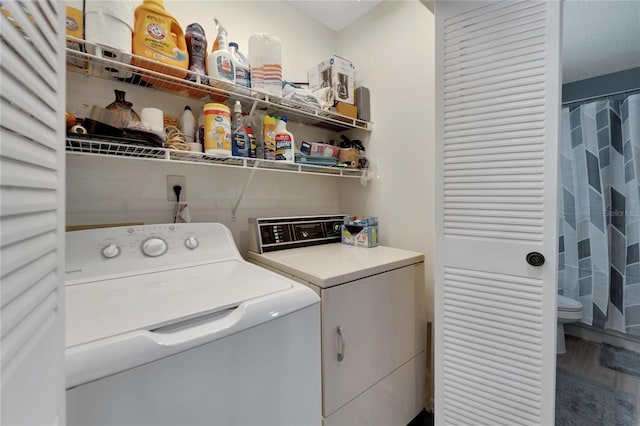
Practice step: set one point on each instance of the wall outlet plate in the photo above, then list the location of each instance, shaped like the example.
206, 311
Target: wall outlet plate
173, 180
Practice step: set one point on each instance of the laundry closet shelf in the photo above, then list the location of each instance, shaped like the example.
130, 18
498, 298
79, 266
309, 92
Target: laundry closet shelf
89, 59
106, 147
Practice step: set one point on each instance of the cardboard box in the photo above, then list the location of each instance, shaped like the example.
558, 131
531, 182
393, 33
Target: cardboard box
347, 109
314, 149
360, 231
351, 156
336, 73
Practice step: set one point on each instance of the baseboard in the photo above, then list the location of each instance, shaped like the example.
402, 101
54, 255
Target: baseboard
609, 337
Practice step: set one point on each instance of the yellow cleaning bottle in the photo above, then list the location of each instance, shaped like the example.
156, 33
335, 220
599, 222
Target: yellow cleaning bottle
158, 37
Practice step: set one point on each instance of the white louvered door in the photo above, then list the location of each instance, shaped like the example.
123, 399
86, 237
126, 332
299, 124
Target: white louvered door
32, 83
498, 101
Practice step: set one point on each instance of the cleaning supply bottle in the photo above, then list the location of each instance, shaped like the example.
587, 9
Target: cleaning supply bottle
284, 141
243, 74
75, 24
253, 153
197, 46
188, 124
200, 132
158, 37
269, 137
220, 63
239, 138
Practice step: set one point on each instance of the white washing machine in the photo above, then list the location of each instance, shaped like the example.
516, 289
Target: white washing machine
373, 316
168, 325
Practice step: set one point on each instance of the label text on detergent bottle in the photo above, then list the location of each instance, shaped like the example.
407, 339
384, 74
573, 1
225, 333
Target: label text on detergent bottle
284, 148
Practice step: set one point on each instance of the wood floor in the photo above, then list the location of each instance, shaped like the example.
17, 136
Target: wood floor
583, 358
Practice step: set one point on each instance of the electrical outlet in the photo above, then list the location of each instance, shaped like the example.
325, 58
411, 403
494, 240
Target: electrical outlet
172, 181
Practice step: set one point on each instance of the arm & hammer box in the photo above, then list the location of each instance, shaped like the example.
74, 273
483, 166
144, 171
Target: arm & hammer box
360, 231
336, 73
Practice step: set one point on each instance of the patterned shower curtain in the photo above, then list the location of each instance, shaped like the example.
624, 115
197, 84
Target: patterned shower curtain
599, 212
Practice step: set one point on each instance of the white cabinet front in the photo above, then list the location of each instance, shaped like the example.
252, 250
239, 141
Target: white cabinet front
376, 324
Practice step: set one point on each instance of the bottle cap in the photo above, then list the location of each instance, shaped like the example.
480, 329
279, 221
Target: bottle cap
283, 118
187, 108
233, 44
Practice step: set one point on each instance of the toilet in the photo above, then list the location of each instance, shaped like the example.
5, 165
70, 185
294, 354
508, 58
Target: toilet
569, 310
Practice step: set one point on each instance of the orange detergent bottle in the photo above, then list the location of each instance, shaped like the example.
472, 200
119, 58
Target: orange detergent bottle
159, 39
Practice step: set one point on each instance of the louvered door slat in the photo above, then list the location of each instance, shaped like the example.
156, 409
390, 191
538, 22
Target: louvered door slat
16, 228
514, 49
15, 313
17, 89
22, 123
17, 255
488, 15
17, 201
15, 148
50, 13
35, 271
30, 79
518, 66
21, 12
32, 63
497, 101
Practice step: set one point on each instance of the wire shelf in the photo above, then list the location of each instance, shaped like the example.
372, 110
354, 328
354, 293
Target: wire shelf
110, 147
92, 59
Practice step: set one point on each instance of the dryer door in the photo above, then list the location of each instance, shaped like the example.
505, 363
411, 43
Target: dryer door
370, 327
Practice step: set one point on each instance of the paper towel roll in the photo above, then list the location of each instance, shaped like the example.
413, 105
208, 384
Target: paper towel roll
153, 117
123, 10
265, 58
109, 24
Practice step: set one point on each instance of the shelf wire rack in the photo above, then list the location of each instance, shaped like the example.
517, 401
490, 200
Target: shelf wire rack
92, 59
110, 147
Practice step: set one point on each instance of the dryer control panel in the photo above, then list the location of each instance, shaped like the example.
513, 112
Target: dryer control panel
270, 234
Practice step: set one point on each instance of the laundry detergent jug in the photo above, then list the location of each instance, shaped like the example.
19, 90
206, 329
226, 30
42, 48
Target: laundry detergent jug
158, 39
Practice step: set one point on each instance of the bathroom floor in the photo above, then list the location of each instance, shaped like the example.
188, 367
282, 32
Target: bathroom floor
583, 358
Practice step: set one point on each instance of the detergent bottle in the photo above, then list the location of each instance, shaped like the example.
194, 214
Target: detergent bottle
284, 141
269, 137
158, 38
197, 45
220, 63
243, 73
239, 138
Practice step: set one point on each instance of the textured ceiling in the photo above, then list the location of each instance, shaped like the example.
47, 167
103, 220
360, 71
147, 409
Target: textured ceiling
599, 37
335, 14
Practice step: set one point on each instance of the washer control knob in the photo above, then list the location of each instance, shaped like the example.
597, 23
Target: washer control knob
111, 250
305, 234
337, 227
191, 242
154, 247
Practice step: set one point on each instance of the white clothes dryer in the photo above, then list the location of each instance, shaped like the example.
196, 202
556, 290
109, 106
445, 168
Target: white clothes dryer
373, 316
168, 325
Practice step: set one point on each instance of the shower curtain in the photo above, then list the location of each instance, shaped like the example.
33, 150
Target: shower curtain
599, 212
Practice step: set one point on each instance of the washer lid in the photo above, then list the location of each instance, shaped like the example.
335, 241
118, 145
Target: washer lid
332, 264
107, 308
567, 304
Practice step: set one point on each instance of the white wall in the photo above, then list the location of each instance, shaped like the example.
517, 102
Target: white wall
108, 190
393, 49
305, 42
